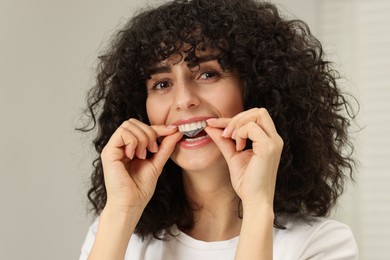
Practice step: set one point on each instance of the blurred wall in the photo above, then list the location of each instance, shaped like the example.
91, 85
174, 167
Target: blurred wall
47, 51
357, 37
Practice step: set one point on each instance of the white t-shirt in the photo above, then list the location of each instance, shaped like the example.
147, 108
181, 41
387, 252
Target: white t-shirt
321, 238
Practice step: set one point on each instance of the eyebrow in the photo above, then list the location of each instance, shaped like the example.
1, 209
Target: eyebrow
167, 68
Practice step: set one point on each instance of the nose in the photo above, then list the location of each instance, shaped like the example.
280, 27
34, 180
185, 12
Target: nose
186, 96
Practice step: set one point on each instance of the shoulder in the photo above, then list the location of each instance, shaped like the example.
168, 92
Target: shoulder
317, 238
138, 248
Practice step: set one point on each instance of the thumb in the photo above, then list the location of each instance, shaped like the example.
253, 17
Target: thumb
226, 145
165, 150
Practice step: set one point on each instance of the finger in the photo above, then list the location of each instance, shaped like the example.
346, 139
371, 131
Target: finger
221, 122
258, 115
235, 123
266, 123
114, 149
130, 144
262, 143
240, 143
141, 136
149, 132
154, 131
166, 149
226, 146
164, 130
251, 131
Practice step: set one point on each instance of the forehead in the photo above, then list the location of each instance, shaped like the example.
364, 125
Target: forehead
190, 56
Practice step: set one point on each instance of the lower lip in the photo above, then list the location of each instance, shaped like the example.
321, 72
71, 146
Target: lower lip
195, 144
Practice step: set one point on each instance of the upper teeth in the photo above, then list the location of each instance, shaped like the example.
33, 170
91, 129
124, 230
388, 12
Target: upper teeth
192, 129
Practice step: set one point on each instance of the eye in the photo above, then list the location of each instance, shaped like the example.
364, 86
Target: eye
161, 85
209, 75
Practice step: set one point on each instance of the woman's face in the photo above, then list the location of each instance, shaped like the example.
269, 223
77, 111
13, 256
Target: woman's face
183, 96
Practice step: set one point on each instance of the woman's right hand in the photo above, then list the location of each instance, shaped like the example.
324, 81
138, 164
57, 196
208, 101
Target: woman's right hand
130, 178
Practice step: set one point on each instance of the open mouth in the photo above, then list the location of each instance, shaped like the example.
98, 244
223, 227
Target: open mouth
193, 130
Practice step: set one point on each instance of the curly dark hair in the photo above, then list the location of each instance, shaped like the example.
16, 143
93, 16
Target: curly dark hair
283, 69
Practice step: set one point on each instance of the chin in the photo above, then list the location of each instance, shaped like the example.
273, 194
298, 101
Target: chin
198, 160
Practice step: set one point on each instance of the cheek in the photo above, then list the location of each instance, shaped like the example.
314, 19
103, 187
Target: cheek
232, 102
156, 111
150, 111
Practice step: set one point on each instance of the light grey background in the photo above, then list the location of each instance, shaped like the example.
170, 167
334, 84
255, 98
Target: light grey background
48, 49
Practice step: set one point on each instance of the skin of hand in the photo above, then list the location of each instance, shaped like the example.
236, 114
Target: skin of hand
253, 171
130, 177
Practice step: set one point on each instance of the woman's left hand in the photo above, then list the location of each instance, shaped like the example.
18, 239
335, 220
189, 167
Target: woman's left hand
253, 171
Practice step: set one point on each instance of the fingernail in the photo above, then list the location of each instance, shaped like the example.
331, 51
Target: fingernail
132, 154
224, 133
143, 154
171, 126
211, 120
154, 147
234, 134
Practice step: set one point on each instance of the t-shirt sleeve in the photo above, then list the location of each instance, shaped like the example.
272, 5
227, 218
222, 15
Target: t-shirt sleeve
89, 240
331, 241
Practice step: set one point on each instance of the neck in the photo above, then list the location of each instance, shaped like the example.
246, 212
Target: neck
215, 202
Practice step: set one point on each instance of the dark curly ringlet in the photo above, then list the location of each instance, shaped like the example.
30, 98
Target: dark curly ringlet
282, 68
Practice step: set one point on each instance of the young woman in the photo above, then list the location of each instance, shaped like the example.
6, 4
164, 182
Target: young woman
222, 134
